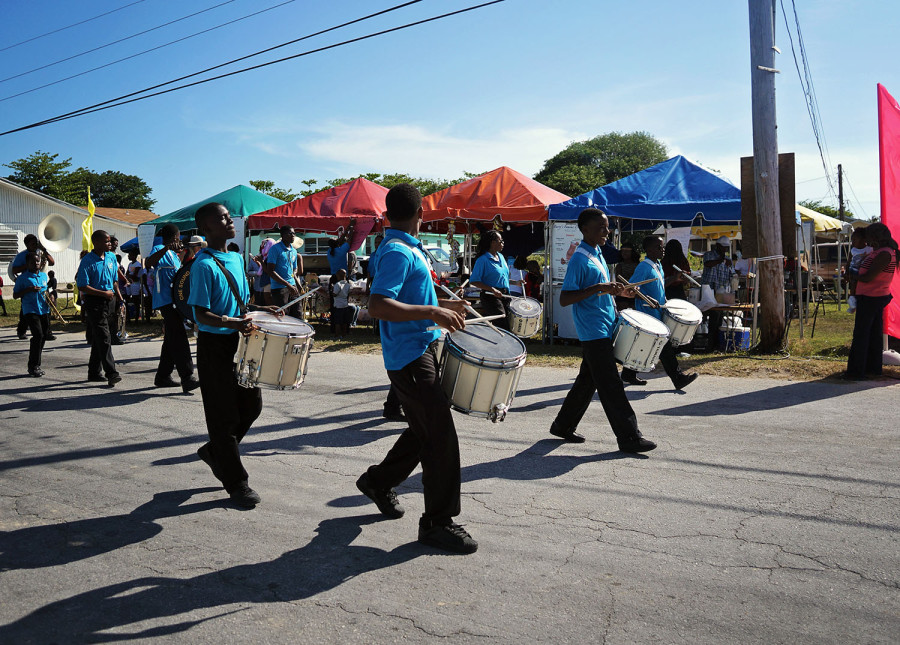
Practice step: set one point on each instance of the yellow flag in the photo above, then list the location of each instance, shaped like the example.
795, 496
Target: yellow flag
87, 226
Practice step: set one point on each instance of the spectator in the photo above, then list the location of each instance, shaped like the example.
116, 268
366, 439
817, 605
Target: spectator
517, 276
343, 312
534, 280
674, 259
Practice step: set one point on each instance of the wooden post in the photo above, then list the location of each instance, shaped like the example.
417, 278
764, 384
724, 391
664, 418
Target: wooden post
765, 154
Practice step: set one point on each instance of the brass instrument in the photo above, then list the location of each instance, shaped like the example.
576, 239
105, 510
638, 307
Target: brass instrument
53, 310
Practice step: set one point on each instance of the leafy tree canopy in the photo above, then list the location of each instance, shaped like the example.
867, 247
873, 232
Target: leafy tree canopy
269, 188
819, 207
42, 172
425, 185
585, 165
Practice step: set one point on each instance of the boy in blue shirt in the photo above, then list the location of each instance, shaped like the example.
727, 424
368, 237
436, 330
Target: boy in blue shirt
229, 409
588, 288
31, 288
649, 268
283, 264
17, 266
175, 352
403, 298
98, 282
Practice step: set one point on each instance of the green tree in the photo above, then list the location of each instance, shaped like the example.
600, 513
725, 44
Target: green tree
41, 171
425, 185
269, 188
819, 207
585, 165
115, 189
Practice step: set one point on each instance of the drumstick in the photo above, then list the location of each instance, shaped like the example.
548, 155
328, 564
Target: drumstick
642, 282
687, 275
472, 320
650, 301
296, 300
453, 296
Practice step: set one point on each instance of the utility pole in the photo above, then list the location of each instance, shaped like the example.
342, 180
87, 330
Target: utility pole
840, 193
765, 168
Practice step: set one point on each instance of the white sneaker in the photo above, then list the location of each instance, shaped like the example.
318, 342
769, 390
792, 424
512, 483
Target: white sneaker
851, 304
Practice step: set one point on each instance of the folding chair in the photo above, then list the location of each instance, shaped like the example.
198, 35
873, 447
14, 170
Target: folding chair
823, 292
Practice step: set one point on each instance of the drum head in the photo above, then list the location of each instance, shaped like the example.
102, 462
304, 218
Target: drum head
684, 312
486, 341
525, 307
644, 322
280, 325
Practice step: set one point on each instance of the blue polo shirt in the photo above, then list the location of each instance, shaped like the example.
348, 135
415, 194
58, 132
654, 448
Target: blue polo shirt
33, 302
595, 317
492, 271
98, 271
338, 259
165, 270
209, 286
284, 257
645, 270
403, 274
19, 261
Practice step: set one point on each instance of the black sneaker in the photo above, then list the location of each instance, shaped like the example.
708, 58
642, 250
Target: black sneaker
569, 437
165, 381
112, 380
96, 378
204, 454
684, 380
385, 500
637, 445
51, 337
244, 496
447, 537
394, 415
36, 372
189, 384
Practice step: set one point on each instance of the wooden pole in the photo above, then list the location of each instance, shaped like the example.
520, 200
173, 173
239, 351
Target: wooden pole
765, 168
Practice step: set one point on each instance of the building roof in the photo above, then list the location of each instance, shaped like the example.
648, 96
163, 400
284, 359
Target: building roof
40, 195
129, 215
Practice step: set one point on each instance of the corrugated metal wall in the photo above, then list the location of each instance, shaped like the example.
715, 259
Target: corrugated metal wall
24, 212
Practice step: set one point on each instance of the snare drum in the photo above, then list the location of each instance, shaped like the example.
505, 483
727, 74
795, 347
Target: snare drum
638, 340
480, 370
682, 318
524, 316
275, 355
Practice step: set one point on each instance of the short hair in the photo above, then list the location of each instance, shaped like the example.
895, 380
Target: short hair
859, 232
285, 228
113, 237
403, 201
587, 215
33, 254
31, 237
521, 263
232, 246
651, 239
169, 231
206, 211
98, 235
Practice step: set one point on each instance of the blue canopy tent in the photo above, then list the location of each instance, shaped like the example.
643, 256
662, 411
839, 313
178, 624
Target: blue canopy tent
676, 191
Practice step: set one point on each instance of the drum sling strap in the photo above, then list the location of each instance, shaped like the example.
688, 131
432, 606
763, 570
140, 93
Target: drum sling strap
242, 306
603, 274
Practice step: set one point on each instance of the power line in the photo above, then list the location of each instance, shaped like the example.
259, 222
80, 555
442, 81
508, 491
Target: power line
806, 85
118, 100
115, 42
75, 24
146, 51
110, 104
858, 203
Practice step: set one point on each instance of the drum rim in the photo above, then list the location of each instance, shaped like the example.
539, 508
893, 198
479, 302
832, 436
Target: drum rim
298, 334
450, 343
630, 312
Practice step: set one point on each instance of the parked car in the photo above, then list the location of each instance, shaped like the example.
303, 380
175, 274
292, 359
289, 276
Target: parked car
440, 260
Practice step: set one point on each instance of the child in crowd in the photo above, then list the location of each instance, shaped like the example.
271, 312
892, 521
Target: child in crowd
31, 288
343, 314
859, 249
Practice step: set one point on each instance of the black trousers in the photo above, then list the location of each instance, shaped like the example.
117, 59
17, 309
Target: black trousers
669, 359
392, 403
491, 305
22, 325
283, 296
866, 347
99, 312
229, 409
39, 325
430, 440
599, 373
176, 351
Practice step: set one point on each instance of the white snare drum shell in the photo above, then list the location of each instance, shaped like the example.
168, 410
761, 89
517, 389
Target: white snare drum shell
682, 318
275, 356
524, 316
638, 340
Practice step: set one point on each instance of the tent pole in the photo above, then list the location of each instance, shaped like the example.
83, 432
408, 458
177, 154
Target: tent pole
798, 278
548, 301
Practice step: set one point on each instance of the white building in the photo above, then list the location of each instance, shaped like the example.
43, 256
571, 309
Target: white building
57, 225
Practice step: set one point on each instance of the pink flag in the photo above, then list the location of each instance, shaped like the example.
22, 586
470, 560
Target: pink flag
889, 160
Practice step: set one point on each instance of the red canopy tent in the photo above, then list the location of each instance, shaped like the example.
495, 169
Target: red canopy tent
328, 210
502, 192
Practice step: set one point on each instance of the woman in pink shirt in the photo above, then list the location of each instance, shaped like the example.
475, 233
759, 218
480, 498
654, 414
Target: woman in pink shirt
873, 293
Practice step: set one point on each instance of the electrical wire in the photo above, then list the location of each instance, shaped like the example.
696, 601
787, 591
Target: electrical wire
74, 24
112, 102
225, 64
858, 203
147, 51
115, 42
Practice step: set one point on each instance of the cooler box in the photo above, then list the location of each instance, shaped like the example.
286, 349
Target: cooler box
732, 340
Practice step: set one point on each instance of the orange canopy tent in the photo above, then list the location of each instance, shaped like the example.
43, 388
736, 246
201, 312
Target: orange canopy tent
502, 192
330, 209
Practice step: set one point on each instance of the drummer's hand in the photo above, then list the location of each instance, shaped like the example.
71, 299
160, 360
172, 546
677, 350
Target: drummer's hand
629, 292
459, 306
448, 319
293, 291
612, 288
497, 293
272, 309
244, 325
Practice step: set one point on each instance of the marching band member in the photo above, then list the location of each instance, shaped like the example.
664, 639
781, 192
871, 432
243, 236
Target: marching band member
403, 298
31, 288
282, 267
491, 275
18, 265
650, 268
588, 288
98, 281
219, 294
176, 350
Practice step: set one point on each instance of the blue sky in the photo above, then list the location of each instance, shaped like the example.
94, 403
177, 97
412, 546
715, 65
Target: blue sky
510, 84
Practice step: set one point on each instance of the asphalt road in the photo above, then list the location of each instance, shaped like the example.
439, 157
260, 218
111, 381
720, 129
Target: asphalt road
768, 514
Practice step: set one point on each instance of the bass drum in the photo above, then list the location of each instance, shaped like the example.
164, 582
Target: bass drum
181, 289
